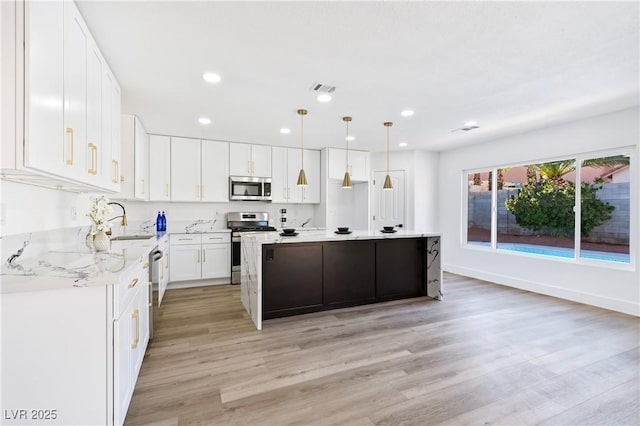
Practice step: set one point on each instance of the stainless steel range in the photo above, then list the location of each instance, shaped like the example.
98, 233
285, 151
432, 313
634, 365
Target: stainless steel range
240, 222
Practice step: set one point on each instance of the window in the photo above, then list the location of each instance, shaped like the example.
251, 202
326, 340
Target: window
536, 211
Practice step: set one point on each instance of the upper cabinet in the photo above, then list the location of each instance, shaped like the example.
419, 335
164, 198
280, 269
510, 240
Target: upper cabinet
286, 163
159, 168
199, 170
249, 160
61, 108
358, 165
134, 153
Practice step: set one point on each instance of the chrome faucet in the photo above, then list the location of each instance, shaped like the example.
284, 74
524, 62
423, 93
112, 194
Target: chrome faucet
305, 222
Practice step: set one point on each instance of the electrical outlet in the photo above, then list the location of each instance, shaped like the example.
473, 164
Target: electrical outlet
74, 213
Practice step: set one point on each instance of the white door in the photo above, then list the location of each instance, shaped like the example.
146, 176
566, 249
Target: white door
159, 168
216, 261
279, 174
239, 159
388, 205
215, 171
261, 160
185, 170
185, 262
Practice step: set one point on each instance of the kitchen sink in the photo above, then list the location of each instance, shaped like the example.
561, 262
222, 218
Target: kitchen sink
132, 237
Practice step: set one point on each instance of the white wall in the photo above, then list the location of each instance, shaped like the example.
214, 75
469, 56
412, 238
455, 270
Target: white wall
612, 288
28, 208
421, 174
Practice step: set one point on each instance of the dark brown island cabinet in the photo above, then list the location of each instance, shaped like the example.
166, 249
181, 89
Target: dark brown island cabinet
299, 278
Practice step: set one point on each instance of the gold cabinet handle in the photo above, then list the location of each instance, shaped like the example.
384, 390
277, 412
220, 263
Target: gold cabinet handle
161, 271
116, 171
146, 265
133, 283
185, 239
70, 160
304, 193
136, 316
142, 189
204, 256
94, 159
249, 167
215, 238
198, 257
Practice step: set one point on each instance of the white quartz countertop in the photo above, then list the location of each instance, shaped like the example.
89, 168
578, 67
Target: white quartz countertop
74, 263
317, 236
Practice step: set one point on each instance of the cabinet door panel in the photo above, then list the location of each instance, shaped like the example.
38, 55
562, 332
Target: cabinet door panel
359, 165
292, 277
349, 272
311, 194
95, 147
116, 135
216, 261
159, 168
46, 138
141, 186
279, 182
294, 163
185, 262
75, 92
400, 267
261, 160
185, 169
109, 167
337, 163
239, 159
123, 388
215, 171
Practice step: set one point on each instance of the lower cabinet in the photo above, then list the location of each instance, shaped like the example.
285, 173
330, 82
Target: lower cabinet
73, 355
349, 272
299, 278
199, 256
293, 276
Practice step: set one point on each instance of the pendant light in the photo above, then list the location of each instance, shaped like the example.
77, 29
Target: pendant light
387, 180
346, 182
302, 177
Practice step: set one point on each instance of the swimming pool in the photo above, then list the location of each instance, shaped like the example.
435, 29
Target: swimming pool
563, 252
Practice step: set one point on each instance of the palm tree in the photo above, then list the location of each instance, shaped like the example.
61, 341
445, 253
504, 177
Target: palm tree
555, 170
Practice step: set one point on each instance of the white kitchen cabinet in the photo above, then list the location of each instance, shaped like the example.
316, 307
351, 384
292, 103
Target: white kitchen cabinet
214, 171
286, 164
110, 130
75, 92
52, 98
200, 256
76, 350
134, 157
199, 170
358, 164
249, 160
311, 193
159, 168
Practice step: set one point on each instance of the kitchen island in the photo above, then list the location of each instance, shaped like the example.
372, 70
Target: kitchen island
316, 271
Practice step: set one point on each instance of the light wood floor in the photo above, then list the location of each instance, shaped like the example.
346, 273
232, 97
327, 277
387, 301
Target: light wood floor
485, 355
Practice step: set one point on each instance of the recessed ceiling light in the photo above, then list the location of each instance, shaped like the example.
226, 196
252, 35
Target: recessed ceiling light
210, 77
324, 98
471, 124
350, 138
285, 131
407, 113
403, 144
204, 120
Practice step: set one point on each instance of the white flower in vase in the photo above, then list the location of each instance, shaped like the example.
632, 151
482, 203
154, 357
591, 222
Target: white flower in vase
99, 213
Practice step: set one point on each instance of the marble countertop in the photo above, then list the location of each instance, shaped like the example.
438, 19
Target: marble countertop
317, 236
74, 263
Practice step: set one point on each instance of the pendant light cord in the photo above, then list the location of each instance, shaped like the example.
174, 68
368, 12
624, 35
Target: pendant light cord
347, 139
302, 139
387, 150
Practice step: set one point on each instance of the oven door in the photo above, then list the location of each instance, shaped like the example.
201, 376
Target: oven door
235, 259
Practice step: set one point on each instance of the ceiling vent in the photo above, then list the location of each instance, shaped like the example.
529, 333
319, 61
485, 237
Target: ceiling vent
322, 88
470, 125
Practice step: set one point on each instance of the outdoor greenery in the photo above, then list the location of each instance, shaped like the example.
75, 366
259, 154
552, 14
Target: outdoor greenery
546, 205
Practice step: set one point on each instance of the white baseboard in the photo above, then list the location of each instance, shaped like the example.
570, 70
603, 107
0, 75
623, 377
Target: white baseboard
612, 304
198, 283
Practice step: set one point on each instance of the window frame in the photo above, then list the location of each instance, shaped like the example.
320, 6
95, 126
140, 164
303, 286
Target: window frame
576, 259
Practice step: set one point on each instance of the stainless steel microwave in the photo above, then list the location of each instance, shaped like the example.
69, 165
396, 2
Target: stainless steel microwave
247, 188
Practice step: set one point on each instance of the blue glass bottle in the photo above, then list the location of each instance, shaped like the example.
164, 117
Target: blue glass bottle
164, 222
158, 222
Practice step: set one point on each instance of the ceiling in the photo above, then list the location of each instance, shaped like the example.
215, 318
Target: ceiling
510, 66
